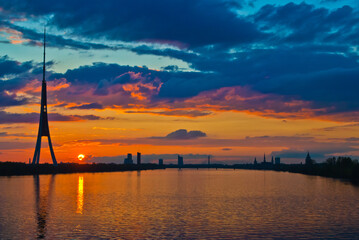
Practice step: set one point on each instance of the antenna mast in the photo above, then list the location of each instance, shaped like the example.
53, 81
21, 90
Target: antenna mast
43, 69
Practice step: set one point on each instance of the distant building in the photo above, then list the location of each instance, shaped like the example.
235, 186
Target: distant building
264, 159
180, 160
138, 158
160, 161
308, 160
128, 160
277, 160
272, 161
255, 161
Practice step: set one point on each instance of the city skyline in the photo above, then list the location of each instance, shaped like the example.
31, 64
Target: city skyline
242, 79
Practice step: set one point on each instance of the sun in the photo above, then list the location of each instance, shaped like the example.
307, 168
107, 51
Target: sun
80, 157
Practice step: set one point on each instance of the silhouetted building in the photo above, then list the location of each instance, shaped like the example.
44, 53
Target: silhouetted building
272, 161
138, 158
308, 160
264, 159
180, 160
160, 161
255, 161
277, 160
128, 160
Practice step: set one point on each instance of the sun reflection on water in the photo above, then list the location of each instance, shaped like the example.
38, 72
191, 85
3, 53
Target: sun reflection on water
80, 195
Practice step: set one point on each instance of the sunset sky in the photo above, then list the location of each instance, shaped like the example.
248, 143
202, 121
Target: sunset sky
234, 79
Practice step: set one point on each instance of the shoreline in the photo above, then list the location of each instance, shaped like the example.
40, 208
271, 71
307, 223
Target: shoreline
320, 169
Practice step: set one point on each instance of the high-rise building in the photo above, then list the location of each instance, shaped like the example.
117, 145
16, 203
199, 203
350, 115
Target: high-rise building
138, 158
180, 160
277, 160
128, 160
264, 159
160, 161
255, 161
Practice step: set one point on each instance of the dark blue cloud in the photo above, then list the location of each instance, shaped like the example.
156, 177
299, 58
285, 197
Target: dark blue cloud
304, 23
192, 22
11, 67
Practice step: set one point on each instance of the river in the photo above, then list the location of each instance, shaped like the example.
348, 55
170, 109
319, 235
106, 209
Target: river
178, 204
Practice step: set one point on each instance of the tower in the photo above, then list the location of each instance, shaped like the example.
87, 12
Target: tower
43, 123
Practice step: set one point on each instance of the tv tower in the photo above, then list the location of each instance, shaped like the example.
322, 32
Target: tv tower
43, 123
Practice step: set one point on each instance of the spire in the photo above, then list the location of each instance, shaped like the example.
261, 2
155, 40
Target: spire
43, 68
264, 159
308, 159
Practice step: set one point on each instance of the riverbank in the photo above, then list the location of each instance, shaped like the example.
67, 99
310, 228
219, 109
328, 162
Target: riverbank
343, 168
13, 168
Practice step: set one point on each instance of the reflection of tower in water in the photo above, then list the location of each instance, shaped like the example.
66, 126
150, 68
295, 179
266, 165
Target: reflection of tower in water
42, 204
80, 195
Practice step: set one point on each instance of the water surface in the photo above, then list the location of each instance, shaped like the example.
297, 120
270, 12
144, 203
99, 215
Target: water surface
168, 204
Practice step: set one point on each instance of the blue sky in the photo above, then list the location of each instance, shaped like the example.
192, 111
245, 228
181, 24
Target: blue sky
114, 62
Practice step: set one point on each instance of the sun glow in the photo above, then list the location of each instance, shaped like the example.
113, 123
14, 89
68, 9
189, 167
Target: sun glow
81, 157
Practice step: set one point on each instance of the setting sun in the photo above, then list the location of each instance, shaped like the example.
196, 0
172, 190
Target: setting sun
80, 157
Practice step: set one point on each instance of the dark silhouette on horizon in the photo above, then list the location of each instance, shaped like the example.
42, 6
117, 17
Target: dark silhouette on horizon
44, 130
179, 161
129, 159
309, 160
138, 158
340, 167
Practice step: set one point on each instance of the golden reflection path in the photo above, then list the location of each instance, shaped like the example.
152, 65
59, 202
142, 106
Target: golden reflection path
80, 195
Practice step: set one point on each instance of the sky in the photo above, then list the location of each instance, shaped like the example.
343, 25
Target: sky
234, 79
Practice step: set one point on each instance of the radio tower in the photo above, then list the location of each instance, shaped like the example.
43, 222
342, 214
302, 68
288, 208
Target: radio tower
43, 124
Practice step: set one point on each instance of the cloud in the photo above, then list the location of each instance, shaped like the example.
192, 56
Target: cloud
16, 145
291, 67
9, 99
175, 113
11, 67
6, 117
187, 22
306, 23
6, 134
88, 106
183, 134
226, 149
